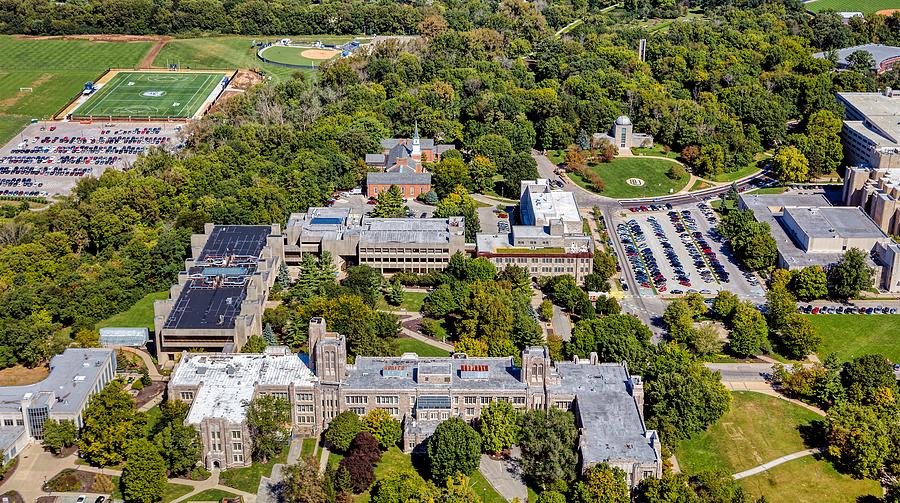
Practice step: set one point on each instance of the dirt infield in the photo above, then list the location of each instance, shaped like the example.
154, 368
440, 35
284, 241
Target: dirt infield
887, 12
319, 53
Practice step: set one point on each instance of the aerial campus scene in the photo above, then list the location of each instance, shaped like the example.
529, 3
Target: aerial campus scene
495, 251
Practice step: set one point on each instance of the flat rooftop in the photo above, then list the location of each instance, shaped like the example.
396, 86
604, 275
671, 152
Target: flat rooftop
228, 381
882, 116
218, 278
71, 380
880, 53
335, 224
402, 373
550, 204
835, 222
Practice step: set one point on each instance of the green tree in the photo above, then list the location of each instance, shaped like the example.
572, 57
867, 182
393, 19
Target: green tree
365, 281
861, 61
389, 204
789, 165
671, 487
548, 441
455, 447
458, 203
682, 396
615, 338
810, 283
601, 483
383, 427
749, 330
394, 292
109, 422
269, 335
302, 482
499, 426
679, 320
254, 344
59, 435
402, 485
779, 305
859, 439
342, 429
850, 275
269, 419
144, 474
724, 305
869, 379
799, 337
180, 446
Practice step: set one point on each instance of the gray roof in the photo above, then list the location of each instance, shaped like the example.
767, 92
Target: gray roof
124, 336
410, 230
9, 437
880, 53
375, 159
72, 377
398, 178
366, 374
831, 222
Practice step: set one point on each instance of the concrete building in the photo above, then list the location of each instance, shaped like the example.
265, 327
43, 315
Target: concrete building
75, 375
387, 244
219, 386
550, 240
219, 299
871, 132
884, 56
809, 231
622, 135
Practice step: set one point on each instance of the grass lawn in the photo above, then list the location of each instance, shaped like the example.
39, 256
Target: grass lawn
138, 315
700, 185
656, 149
294, 55
770, 190
556, 156
738, 174
56, 70
334, 458
852, 335
757, 429
651, 171
867, 7
412, 301
419, 347
809, 480
307, 447
154, 414
151, 94
484, 489
172, 491
247, 479
211, 495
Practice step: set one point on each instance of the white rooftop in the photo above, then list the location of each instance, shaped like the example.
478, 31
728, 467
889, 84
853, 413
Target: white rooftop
547, 204
227, 381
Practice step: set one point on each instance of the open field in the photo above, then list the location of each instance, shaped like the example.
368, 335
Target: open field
229, 52
20, 375
151, 94
867, 7
56, 70
299, 56
651, 171
138, 315
211, 495
852, 335
247, 479
810, 480
757, 429
419, 347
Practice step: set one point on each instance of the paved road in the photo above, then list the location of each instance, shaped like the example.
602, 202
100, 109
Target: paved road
562, 325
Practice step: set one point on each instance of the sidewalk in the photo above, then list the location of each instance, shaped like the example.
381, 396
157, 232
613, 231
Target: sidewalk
783, 459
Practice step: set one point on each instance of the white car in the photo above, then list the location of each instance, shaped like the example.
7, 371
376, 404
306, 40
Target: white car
81, 499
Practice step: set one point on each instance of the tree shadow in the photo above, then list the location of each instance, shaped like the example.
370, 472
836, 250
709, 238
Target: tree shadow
814, 433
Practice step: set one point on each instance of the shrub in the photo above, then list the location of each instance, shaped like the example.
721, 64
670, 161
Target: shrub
66, 481
102, 484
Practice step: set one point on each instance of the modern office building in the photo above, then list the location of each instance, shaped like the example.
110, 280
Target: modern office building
809, 231
420, 393
219, 386
871, 134
218, 301
75, 375
550, 240
387, 244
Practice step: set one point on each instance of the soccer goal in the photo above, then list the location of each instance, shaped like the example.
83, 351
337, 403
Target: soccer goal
25, 90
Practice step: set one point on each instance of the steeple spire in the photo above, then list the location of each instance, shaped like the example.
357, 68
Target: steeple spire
416, 146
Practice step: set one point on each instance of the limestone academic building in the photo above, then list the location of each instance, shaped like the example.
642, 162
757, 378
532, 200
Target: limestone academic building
419, 392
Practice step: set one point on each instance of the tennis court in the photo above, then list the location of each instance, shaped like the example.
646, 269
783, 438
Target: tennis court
151, 94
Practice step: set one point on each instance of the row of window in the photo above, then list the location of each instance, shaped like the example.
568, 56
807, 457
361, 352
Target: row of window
416, 251
426, 260
11, 422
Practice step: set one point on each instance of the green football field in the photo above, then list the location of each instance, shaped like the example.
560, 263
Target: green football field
150, 94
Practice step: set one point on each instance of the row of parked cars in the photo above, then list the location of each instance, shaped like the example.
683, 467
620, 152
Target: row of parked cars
650, 207
81, 149
640, 256
847, 310
680, 275
705, 259
43, 171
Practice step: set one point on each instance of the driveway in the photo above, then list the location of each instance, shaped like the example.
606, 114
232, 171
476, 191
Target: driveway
505, 476
562, 325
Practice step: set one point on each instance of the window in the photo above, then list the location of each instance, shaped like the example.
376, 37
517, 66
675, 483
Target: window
7, 422
304, 397
518, 400
359, 411
20, 422
563, 405
471, 400
305, 419
647, 474
238, 457
305, 408
387, 400
187, 395
237, 446
470, 411
394, 411
485, 400
216, 444
357, 399
236, 434
279, 394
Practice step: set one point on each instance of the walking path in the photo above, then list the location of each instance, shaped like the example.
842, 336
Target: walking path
407, 316
766, 389
323, 461
503, 478
783, 459
148, 361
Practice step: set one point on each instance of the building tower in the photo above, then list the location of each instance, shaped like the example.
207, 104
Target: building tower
328, 361
416, 144
622, 130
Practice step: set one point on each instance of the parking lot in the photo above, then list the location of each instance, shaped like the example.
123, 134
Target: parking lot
49, 158
676, 251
